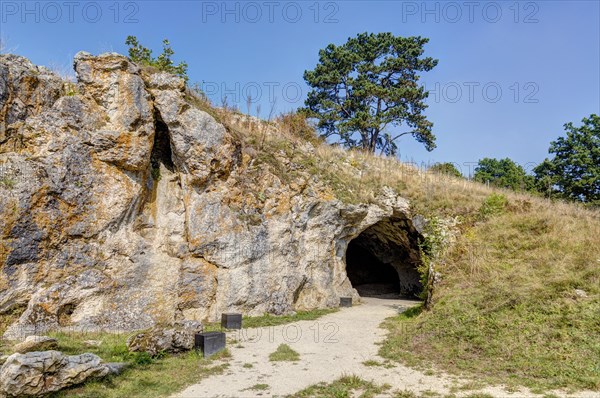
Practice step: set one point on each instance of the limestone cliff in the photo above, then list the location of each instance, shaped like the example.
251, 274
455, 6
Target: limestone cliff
123, 205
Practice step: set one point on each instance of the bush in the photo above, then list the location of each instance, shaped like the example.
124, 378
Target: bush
141, 358
446, 168
142, 55
493, 205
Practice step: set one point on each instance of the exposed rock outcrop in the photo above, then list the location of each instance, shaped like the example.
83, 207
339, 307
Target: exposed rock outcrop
40, 373
125, 206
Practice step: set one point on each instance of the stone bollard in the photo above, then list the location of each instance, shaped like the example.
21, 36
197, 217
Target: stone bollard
210, 343
345, 301
231, 321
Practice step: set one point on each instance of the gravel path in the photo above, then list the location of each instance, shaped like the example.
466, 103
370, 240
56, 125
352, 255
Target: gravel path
330, 347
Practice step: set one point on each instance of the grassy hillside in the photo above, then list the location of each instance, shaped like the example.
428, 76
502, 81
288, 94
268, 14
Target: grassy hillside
519, 301
519, 296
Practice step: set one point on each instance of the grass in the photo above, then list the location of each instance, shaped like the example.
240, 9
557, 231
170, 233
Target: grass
275, 320
371, 363
405, 394
145, 376
284, 353
7, 183
506, 309
158, 379
344, 387
258, 387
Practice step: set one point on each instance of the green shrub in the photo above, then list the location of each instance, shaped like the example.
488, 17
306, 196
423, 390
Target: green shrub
142, 55
493, 205
155, 173
141, 358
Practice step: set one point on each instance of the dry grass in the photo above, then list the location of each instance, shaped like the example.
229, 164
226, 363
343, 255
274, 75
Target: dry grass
353, 176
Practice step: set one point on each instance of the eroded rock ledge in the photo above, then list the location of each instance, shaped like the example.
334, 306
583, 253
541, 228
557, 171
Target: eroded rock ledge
124, 206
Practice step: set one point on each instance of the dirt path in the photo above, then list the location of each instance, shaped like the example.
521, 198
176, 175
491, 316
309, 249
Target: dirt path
330, 347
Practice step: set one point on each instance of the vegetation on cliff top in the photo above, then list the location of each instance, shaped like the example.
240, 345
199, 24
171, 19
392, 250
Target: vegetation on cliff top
143, 55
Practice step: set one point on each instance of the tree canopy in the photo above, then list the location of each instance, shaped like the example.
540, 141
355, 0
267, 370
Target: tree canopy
143, 55
446, 168
503, 173
574, 171
367, 85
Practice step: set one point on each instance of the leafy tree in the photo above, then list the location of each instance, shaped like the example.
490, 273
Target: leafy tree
574, 172
142, 55
370, 83
503, 173
446, 168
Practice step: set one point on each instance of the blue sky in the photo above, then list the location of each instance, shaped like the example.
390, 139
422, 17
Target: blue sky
510, 74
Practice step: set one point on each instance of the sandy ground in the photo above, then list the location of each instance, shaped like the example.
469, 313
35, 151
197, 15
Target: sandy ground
330, 347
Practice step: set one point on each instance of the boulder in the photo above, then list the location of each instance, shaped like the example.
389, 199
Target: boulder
177, 338
40, 373
36, 343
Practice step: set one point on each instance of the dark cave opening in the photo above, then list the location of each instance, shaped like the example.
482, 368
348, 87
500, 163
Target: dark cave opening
383, 260
161, 150
368, 275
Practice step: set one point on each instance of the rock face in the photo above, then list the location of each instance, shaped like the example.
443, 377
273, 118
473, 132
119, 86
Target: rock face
39, 373
36, 343
124, 206
158, 339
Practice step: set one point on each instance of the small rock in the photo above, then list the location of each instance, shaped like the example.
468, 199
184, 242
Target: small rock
93, 343
36, 343
177, 338
581, 293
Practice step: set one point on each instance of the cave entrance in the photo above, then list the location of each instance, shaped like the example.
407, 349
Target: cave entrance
161, 150
383, 260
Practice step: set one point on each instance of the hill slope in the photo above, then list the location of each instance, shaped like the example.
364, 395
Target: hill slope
149, 205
